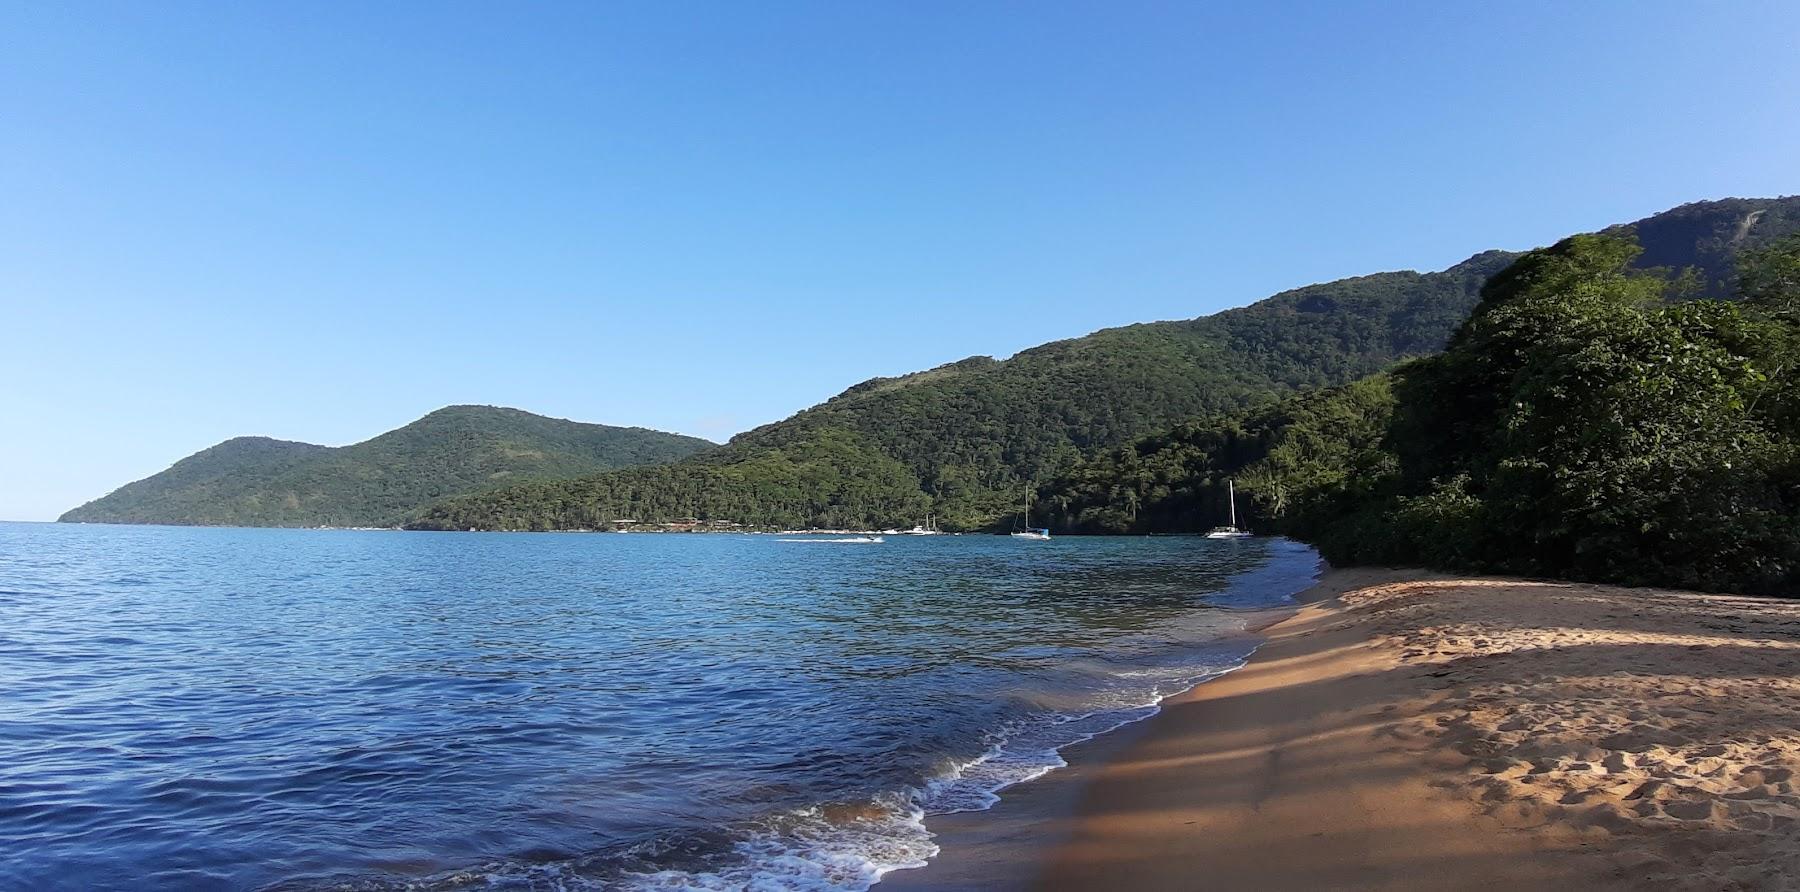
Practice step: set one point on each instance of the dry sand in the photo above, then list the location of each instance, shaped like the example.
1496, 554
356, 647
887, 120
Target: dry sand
1416, 731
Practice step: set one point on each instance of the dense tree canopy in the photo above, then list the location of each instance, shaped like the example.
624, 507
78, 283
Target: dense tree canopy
829, 480
1581, 424
1288, 457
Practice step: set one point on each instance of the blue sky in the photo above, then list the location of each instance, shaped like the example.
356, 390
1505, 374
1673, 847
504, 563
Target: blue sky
318, 221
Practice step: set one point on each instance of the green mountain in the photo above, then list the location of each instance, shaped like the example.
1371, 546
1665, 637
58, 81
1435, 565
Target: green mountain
962, 440
1581, 425
257, 481
1708, 236
965, 440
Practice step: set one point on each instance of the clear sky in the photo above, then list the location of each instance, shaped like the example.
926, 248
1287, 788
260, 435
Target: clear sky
318, 221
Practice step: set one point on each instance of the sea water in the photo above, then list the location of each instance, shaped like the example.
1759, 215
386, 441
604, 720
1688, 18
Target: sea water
301, 709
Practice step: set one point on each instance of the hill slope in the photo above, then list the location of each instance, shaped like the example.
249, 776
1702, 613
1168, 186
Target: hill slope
257, 481
1576, 427
971, 435
961, 440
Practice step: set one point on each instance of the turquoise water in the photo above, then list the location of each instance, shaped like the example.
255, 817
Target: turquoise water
294, 709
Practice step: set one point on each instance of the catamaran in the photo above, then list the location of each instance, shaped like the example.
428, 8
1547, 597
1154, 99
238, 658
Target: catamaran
1230, 531
1028, 531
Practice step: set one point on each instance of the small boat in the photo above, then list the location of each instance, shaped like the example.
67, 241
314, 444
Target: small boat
927, 529
1028, 531
1230, 531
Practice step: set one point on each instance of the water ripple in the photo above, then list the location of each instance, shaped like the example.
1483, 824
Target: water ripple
247, 709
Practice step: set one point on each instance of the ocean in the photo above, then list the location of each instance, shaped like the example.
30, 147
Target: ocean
246, 709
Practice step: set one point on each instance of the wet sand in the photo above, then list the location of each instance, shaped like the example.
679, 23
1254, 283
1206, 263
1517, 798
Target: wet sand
1417, 731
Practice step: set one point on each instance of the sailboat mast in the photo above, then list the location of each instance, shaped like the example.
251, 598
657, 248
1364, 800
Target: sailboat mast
1231, 496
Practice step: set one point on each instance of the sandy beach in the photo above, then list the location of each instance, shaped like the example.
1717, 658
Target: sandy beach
1415, 731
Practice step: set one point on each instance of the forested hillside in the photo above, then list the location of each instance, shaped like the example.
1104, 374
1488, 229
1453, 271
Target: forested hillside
257, 481
971, 437
1707, 236
1581, 425
1283, 456
964, 440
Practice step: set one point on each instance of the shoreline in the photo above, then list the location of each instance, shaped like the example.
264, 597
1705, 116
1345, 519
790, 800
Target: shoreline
1414, 730
994, 848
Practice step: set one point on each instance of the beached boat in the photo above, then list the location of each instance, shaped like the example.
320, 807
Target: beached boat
1026, 530
1230, 531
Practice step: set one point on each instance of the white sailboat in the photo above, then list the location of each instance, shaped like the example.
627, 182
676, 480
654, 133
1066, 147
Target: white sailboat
1230, 531
1028, 532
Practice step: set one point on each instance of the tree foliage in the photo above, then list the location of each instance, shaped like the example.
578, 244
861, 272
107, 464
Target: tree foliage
1580, 425
830, 480
1290, 455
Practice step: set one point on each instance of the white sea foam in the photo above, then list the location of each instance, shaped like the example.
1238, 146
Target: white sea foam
807, 851
850, 849
1030, 748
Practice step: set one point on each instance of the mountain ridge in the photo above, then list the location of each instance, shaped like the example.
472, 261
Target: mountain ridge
976, 433
263, 481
